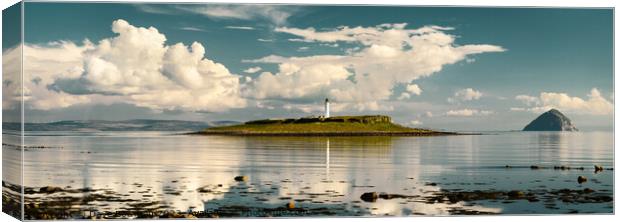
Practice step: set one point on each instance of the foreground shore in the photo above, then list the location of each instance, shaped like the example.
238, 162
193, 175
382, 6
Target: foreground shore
243, 196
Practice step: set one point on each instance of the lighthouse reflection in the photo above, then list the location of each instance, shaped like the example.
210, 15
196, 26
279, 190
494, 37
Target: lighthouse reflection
327, 158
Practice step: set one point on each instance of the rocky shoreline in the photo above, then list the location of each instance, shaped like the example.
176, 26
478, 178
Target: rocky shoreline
320, 126
323, 134
244, 197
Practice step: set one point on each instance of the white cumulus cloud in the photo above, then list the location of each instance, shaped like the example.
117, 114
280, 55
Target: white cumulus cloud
253, 69
136, 66
468, 112
595, 104
467, 94
414, 89
528, 100
383, 57
428, 114
404, 96
415, 122
45, 64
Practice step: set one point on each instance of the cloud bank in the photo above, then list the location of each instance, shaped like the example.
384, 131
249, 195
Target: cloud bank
139, 67
136, 66
595, 104
384, 57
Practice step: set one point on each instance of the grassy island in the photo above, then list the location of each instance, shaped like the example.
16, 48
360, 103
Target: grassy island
318, 126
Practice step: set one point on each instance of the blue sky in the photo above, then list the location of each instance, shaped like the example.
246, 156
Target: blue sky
502, 67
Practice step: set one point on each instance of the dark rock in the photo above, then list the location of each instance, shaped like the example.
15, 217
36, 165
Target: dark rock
582, 179
532, 199
290, 205
515, 194
598, 168
388, 196
552, 120
369, 197
534, 167
204, 190
241, 178
50, 189
86, 190
32, 206
588, 190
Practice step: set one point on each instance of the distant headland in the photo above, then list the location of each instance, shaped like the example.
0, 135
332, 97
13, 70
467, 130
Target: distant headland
376, 125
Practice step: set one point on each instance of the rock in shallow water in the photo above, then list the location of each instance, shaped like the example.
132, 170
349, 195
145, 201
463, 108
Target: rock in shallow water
516, 193
203, 190
370, 196
582, 179
598, 168
241, 178
290, 204
50, 189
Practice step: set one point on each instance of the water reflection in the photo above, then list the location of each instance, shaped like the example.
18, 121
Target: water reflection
12, 197
327, 158
324, 176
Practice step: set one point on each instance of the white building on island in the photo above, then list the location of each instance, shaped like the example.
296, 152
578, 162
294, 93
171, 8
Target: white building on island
326, 108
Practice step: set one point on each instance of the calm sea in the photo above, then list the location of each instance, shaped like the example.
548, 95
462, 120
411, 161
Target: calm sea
166, 170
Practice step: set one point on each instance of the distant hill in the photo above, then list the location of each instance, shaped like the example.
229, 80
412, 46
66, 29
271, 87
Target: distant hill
319, 126
125, 125
552, 120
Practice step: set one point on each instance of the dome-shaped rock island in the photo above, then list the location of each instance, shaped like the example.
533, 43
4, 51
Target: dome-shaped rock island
552, 120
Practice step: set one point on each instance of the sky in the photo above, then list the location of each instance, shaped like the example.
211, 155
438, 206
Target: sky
453, 68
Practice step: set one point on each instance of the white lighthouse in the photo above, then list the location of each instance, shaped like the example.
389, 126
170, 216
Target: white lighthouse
326, 108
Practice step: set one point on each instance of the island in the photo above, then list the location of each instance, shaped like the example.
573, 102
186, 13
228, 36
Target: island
552, 120
371, 125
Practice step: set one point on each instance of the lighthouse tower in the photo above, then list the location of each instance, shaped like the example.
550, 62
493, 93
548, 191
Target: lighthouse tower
326, 108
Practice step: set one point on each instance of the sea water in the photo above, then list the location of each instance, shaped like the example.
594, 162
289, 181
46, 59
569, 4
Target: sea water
326, 175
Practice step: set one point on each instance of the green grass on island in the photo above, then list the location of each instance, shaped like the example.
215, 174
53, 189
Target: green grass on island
317, 126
